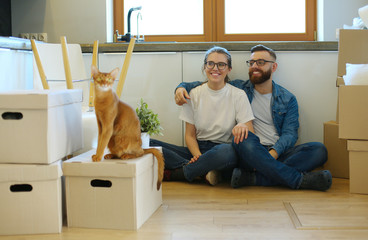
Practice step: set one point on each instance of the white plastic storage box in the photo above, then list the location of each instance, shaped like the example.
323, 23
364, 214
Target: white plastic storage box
31, 199
40, 127
111, 194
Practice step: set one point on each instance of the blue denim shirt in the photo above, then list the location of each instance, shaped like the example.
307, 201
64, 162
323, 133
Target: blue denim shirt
284, 106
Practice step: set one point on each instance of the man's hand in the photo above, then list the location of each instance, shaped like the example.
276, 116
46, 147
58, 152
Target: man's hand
181, 95
240, 132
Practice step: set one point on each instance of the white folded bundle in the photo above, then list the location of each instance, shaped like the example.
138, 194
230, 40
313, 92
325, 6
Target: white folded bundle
356, 74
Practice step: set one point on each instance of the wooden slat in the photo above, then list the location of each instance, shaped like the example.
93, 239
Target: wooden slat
39, 65
68, 73
91, 85
124, 70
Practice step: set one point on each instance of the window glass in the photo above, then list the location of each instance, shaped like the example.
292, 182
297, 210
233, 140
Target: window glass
264, 16
165, 17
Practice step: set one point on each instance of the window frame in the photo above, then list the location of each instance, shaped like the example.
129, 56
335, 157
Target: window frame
214, 26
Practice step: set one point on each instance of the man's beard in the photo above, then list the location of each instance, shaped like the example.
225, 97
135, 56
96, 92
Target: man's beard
265, 75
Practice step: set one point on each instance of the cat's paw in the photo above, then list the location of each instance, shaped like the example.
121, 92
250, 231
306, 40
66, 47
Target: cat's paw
95, 158
110, 156
126, 156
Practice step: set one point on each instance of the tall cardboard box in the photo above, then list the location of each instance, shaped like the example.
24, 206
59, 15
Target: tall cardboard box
338, 155
358, 155
111, 194
40, 126
352, 114
30, 199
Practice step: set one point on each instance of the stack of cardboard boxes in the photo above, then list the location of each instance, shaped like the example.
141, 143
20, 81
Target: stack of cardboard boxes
38, 129
346, 138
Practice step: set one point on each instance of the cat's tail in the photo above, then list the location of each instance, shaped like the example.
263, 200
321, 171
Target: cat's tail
160, 163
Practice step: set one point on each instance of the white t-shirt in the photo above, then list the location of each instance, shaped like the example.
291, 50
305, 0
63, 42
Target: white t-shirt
215, 113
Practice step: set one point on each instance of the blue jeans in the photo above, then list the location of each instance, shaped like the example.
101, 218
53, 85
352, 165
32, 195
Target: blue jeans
287, 169
215, 156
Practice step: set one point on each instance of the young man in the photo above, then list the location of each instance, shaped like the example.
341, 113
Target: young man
268, 156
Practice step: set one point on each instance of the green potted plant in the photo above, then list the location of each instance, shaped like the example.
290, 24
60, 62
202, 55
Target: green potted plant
150, 124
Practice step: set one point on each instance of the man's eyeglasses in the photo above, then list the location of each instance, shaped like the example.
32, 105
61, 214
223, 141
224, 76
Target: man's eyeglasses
220, 65
260, 62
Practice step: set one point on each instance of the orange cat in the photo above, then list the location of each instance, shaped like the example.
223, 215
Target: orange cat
118, 124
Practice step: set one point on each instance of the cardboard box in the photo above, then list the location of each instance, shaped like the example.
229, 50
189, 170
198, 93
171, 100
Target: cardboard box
30, 199
353, 48
358, 155
111, 194
338, 155
40, 127
351, 113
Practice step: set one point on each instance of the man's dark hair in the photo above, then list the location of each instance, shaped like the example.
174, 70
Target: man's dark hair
261, 47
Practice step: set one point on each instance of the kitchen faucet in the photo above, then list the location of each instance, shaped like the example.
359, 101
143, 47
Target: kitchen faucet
139, 38
127, 36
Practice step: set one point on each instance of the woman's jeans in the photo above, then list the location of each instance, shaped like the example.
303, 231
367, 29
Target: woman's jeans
287, 169
215, 156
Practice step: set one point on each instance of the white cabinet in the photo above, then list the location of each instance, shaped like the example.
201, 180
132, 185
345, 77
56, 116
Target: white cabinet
153, 77
16, 70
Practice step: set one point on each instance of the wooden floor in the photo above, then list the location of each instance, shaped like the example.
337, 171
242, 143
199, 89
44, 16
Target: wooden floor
199, 211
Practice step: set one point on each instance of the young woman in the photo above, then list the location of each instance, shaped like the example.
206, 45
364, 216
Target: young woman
216, 112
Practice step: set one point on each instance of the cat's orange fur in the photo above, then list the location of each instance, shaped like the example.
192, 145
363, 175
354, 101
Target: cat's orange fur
118, 124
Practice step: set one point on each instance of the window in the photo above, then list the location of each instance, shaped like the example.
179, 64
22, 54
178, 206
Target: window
219, 20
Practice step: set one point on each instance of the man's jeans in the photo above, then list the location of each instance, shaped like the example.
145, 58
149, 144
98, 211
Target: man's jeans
287, 169
215, 156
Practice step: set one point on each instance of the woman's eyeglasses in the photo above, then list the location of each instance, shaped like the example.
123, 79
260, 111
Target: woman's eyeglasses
220, 65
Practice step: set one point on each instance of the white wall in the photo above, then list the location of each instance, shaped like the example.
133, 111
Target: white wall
153, 77
311, 77
82, 21
333, 14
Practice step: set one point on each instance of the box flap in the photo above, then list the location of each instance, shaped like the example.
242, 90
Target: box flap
358, 146
331, 122
82, 165
39, 99
29, 172
353, 48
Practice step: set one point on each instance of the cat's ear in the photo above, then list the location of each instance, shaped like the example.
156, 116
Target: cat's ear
94, 70
114, 73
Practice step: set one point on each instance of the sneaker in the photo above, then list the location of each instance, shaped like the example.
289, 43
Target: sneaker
318, 180
213, 177
242, 178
